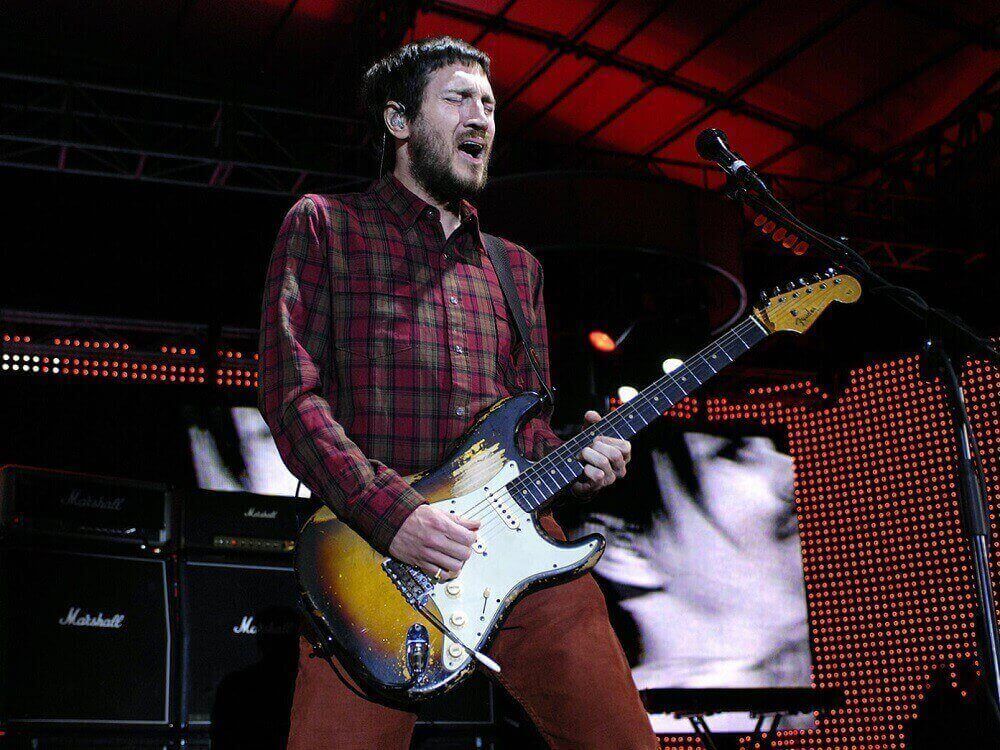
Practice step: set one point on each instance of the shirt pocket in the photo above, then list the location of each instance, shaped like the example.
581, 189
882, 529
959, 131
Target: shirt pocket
373, 317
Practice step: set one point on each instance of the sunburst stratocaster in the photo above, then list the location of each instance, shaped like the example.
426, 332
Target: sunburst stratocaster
404, 636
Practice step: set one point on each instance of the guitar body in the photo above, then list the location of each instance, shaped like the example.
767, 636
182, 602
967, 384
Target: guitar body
359, 598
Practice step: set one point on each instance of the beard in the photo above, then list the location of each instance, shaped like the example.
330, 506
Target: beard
432, 167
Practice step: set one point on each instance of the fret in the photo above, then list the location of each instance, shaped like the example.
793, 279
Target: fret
535, 488
722, 350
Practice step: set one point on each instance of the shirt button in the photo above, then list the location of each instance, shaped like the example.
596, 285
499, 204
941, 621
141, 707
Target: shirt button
460, 411
458, 348
453, 299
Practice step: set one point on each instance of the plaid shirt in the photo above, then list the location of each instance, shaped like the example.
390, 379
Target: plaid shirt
380, 343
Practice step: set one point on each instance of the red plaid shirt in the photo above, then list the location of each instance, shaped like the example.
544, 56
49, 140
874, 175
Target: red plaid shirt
380, 343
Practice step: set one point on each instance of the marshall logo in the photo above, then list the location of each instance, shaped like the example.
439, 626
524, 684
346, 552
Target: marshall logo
81, 499
247, 626
254, 513
87, 620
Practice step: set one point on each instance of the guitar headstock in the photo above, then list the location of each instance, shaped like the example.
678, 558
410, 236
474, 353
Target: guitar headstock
797, 307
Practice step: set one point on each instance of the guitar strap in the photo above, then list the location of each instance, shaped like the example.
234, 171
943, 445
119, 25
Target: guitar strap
497, 252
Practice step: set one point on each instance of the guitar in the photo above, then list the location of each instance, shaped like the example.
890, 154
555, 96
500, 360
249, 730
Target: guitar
404, 636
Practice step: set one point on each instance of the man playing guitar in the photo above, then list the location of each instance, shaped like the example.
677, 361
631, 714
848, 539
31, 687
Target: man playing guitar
384, 333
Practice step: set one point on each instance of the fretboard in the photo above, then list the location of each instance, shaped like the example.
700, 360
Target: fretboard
536, 487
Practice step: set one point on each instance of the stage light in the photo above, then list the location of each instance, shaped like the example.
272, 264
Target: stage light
671, 363
627, 393
601, 341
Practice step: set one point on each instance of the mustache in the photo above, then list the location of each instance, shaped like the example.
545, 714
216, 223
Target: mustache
478, 135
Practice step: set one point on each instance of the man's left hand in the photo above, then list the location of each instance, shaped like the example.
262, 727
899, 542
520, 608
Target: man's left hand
604, 461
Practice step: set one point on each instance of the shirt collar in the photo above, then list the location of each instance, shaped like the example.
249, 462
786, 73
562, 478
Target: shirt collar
407, 207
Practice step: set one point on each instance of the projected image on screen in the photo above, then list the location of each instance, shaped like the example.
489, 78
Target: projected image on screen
709, 588
232, 450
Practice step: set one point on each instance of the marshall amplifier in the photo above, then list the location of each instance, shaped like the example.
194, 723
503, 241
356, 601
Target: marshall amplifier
239, 522
85, 639
41, 502
239, 646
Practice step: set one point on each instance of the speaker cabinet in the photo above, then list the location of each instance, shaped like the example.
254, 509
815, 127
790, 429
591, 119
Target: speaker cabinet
84, 638
239, 649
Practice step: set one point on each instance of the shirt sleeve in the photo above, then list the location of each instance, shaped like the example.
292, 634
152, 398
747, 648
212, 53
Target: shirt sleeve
294, 369
539, 439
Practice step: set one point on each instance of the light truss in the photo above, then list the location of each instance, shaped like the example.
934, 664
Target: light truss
59, 125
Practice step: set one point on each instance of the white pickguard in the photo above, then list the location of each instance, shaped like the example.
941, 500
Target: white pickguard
505, 558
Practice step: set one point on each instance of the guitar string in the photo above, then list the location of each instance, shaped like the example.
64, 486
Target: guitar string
496, 520
668, 379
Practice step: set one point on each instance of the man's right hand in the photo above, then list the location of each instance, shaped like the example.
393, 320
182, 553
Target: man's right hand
434, 541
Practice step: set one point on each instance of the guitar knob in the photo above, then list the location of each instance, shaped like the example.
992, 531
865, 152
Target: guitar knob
458, 619
455, 651
453, 589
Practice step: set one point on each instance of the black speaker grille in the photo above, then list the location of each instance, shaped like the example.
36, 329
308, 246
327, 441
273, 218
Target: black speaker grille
84, 638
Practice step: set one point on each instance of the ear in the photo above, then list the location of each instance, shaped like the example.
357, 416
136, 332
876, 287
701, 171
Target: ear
395, 120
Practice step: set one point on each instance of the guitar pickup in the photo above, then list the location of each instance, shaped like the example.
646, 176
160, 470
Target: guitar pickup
500, 502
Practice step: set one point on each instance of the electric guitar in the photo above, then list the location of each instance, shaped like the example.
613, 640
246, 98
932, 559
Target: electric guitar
405, 636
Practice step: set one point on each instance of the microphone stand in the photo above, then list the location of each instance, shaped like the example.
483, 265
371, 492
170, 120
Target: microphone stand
947, 337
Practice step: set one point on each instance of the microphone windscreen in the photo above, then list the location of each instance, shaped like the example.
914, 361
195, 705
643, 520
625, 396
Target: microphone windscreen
711, 144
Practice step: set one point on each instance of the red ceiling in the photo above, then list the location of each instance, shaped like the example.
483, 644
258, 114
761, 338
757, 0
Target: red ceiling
853, 78
867, 74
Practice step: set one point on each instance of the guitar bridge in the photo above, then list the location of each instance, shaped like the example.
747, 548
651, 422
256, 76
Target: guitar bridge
413, 583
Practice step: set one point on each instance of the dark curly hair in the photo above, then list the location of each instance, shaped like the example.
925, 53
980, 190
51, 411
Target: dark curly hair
402, 76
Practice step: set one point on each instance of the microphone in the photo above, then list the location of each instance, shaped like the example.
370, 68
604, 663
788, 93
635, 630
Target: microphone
712, 145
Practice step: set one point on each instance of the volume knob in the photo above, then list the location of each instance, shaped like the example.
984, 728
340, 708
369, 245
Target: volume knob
458, 619
453, 589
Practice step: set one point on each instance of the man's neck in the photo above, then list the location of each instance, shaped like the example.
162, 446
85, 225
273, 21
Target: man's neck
448, 212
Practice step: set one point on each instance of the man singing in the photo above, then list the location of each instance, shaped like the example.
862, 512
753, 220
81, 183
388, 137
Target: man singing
384, 333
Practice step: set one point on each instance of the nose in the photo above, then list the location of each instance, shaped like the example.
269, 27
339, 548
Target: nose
476, 116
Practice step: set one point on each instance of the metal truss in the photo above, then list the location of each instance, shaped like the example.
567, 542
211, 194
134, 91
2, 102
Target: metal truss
59, 125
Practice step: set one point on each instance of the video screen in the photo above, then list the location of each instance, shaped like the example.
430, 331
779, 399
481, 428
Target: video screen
703, 570
232, 450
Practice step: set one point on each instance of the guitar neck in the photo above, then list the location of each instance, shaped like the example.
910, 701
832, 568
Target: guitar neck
536, 487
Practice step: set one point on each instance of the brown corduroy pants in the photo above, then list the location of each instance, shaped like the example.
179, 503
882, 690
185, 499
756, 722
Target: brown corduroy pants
560, 660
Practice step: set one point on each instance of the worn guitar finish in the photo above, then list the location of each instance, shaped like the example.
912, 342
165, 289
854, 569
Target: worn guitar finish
405, 637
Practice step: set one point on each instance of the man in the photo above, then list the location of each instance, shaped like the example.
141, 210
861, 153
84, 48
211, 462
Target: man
384, 333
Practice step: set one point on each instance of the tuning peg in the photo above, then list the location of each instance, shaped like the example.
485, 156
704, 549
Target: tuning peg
817, 277
830, 272
803, 281
764, 299
776, 291
791, 286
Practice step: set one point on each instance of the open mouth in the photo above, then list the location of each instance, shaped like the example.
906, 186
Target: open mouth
473, 149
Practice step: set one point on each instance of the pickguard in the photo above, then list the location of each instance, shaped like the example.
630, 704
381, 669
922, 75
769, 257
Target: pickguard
511, 552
